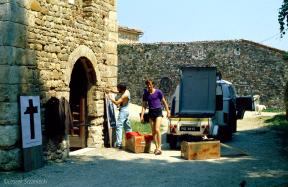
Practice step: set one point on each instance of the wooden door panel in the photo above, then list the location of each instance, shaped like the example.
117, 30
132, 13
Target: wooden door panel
78, 132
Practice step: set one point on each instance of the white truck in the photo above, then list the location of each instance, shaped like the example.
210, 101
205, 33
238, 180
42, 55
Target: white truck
204, 106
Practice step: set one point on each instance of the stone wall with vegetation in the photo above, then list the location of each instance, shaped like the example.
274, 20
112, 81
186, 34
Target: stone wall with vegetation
251, 67
39, 43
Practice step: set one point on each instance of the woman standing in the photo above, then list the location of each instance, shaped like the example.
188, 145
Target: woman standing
155, 98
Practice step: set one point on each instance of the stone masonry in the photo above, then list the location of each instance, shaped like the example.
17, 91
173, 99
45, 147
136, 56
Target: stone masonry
253, 68
40, 42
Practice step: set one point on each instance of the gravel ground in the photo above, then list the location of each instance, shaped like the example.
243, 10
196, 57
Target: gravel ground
254, 157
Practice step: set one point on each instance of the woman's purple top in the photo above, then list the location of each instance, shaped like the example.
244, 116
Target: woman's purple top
154, 100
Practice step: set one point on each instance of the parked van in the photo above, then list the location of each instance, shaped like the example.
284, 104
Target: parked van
204, 107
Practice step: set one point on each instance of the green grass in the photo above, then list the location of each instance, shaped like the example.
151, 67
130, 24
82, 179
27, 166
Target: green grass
143, 128
280, 124
273, 110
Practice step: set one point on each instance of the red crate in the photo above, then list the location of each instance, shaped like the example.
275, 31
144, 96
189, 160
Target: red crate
138, 143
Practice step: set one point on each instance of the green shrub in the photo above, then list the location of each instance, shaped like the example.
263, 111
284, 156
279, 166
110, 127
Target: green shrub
286, 100
285, 56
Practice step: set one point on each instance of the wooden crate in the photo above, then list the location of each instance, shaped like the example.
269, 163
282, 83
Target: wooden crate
137, 144
200, 150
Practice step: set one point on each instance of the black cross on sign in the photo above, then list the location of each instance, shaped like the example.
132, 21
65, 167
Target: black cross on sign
31, 110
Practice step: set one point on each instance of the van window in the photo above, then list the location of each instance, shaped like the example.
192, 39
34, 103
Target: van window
225, 89
232, 92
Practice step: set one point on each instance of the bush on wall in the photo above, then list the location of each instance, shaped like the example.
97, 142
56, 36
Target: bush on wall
285, 56
286, 100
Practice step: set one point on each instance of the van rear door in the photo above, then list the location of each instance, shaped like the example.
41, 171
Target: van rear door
244, 103
197, 92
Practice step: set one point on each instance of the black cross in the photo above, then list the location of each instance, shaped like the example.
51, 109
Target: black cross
31, 110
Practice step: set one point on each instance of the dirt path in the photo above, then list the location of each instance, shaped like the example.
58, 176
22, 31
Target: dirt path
254, 156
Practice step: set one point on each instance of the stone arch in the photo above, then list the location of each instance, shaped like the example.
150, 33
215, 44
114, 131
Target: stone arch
82, 51
82, 62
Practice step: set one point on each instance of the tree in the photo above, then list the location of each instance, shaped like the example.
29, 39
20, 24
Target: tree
283, 17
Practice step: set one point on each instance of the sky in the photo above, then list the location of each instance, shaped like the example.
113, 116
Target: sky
204, 20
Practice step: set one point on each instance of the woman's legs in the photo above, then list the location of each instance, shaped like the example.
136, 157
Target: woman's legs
155, 127
152, 124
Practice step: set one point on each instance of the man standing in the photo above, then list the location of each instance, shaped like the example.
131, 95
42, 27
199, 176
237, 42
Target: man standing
123, 120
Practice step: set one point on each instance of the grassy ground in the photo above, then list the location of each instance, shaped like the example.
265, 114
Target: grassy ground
279, 124
143, 128
273, 110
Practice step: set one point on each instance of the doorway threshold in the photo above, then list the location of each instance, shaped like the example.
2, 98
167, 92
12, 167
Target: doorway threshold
81, 151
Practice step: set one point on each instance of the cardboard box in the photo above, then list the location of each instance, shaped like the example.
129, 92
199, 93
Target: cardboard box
200, 150
138, 144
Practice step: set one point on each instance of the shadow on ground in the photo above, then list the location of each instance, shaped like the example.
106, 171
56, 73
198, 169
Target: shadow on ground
259, 163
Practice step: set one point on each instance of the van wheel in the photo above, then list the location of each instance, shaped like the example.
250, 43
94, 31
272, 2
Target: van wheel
173, 145
224, 133
173, 142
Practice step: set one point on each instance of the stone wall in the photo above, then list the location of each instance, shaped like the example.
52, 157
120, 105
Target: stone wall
40, 42
251, 67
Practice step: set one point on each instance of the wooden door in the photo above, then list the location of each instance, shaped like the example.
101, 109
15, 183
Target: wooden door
78, 131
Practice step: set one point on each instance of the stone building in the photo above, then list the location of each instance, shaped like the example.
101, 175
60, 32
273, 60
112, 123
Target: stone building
128, 35
56, 48
253, 68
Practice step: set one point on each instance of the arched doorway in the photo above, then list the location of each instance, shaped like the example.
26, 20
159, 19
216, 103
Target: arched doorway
83, 77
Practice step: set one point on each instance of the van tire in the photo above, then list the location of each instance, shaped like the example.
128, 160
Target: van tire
224, 133
173, 141
173, 145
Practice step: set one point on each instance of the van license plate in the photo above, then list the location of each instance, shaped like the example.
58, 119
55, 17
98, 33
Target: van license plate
189, 128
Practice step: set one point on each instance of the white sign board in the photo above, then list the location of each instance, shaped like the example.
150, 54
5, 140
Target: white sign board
30, 121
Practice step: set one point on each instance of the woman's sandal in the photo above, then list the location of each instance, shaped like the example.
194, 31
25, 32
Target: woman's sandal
157, 152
